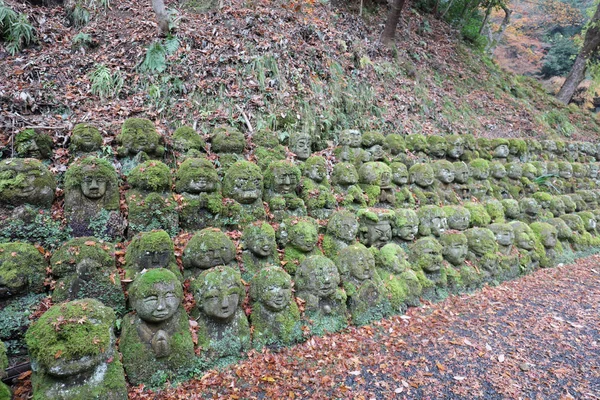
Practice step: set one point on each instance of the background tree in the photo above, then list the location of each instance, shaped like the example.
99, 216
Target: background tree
161, 15
392, 22
590, 47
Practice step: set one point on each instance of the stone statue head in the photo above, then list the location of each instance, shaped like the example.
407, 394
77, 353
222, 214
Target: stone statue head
344, 174
432, 220
557, 206
22, 270
30, 144
227, 139
514, 170
497, 170
151, 176
437, 146
351, 138
317, 275
399, 173
529, 207
392, 258
479, 169
511, 209
426, 254
416, 142
156, 295
300, 144
406, 224
517, 147
546, 233
455, 147
481, 241
218, 292
594, 169
197, 175
394, 144
373, 142
96, 178
375, 226
553, 168
589, 221
303, 235
444, 170
315, 169
590, 198
562, 229
461, 172
500, 148
208, 248
282, 177
529, 170
185, 138
505, 235
26, 181
259, 239
149, 250
422, 175
343, 225
375, 173
569, 204
458, 217
565, 170
454, 247
356, 263
85, 139
243, 182
138, 134
272, 288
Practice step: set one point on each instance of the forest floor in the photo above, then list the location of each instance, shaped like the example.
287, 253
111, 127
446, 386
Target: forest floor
533, 338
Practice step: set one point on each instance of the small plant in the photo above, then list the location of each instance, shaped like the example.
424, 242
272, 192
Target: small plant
15, 29
81, 13
105, 83
82, 40
156, 55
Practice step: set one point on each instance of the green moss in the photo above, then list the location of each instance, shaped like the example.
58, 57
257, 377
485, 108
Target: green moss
416, 142
495, 210
518, 147
143, 284
479, 168
92, 167
394, 144
479, 215
85, 138
151, 175
142, 243
152, 211
22, 268
17, 175
79, 249
186, 138
226, 139
28, 138
193, 169
139, 135
208, 248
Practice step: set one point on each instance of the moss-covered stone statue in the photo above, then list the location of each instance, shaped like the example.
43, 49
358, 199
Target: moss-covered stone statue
342, 231
151, 203
243, 184
509, 255
22, 274
483, 251
156, 339
302, 242
300, 144
223, 329
436, 146
479, 215
444, 173
517, 150
315, 190
511, 209
426, 259
479, 185
229, 143
25, 181
432, 221
458, 218
317, 283
73, 354
590, 198
268, 148
281, 183
461, 180
344, 179
149, 250
349, 148
564, 233
206, 249
405, 225
138, 142
367, 297
394, 144
85, 268
455, 248
400, 281
373, 142
547, 234
375, 226
187, 142
402, 193
5, 393
31, 144
259, 248
376, 181
455, 147
530, 248
495, 210
416, 143
422, 178
200, 188
92, 199
85, 139
530, 209
275, 317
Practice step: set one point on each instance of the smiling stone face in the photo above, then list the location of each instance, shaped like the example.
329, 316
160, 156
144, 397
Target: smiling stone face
218, 292
406, 224
275, 291
26, 181
343, 225
197, 176
422, 175
461, 172
455, 247
458, 218
243, 182
159, 303
504, 233
318, 275
139, 135
375, 233
208, 248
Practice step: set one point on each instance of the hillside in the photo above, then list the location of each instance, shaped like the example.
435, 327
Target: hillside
303, 66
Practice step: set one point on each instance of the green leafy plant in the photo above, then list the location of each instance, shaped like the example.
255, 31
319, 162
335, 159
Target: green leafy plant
82, 39
15, 29
156, 55
81, 13
105, 83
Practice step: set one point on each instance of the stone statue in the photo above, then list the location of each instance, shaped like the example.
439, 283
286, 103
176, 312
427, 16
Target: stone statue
422, 186
259, 248
302, 242
30, 144
530, 209
200, 188
509, 256
373, 143
206, 249
482, 252
375, 180
300, 145
403, 196
479, 185
281, 182
317, 283
85, 139
149, 250
73, 354
268, 148
530, 248
151, 203
85, 268
156, 339
315, 190
229, 143
405, 225
455, 147
432, 221
223, 329
457, 217
436, 146
342, 230
26, 181
547, 234
454, 247
400, 281
375, 226
426, 259
349, 149
92, 199
188, 142
275, 316
511, 209
345, 185
243, 183
461, 180
138, 142
444, 173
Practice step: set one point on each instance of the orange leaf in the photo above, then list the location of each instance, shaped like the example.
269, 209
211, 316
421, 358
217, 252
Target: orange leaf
90, 243
58, 354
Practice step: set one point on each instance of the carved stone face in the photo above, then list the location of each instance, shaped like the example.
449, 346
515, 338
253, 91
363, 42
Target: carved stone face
247, 190
456, 148
524, 241
461, 172
159, 304
304, 236
594, 168
221, 300
445, 175
376, 234
86, 139
300, 145
529, 207
498, 171
351, 137
481, 241
285, 181
454, 250
460, 219
501, 151
429, 255
93, 187
407, 227
277, 294
549, 239
156, 258
321, 274
505, 236
422, 175
344, 226
362, 269
399, 174
261, 244
565, 171
26, 181
438, 225
316, 172
377, 152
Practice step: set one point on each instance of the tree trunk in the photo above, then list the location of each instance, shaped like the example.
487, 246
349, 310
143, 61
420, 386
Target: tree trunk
494, 38
392, 22
590, 46
161, 16
485, 19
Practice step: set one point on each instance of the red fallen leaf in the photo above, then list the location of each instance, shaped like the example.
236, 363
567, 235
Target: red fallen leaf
440, 366
24, 375
58, 354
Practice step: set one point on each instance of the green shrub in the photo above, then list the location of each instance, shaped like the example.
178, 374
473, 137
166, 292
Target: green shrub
105, 83
15, 29
560, 57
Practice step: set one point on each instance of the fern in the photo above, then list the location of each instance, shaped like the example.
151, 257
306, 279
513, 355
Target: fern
82, 39
79, 16
104, 83
15, 29
156, 58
